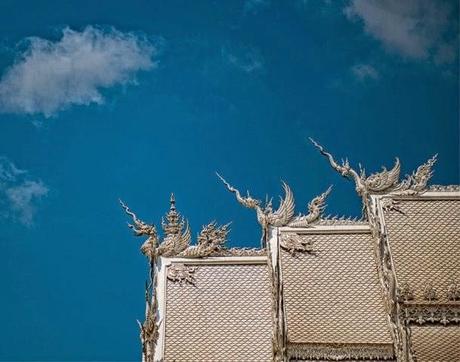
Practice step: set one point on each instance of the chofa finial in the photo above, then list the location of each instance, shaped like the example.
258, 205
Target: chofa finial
384, 181
315, 208
265, 214
141, 228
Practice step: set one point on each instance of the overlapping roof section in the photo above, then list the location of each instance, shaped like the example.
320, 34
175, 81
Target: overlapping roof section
422, 235
225, 315
416, 232
333, 297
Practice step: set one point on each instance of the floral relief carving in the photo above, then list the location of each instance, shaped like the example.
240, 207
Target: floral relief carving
390, 204
453, 291
337, 352
436, 313
405, 293
182, 274
430, 293
294, 243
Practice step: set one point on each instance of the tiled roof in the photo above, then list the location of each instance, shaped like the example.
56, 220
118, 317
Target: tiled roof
341, 360
424, 238
333, 295
436, 344
224, 316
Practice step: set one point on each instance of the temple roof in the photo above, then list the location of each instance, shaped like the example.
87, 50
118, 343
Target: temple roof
384, 287
223, 315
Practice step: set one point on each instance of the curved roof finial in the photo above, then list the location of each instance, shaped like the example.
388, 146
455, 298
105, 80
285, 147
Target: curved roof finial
384, 181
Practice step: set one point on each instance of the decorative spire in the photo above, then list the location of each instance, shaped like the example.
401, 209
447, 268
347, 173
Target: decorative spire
175, 238
172, 200
174, 221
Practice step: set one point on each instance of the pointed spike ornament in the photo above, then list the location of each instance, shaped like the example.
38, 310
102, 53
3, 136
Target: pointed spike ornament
174, 221
175, 238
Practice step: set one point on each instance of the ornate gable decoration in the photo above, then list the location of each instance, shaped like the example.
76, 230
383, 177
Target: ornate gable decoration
294, 243
176, 230
176, 240
431, 306
182, 274
384, 181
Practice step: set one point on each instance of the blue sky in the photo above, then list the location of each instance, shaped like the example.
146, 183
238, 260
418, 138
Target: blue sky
134, 100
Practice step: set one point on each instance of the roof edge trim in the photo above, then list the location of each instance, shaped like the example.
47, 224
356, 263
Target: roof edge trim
329, 229
436, 195
341, 351
218, 260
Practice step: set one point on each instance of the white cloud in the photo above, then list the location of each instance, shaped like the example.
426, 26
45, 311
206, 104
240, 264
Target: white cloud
416, 29
51, 76
363, 72
8, 171
246, 60
19, 193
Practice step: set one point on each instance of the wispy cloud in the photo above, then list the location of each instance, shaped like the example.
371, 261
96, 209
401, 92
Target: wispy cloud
50, 76
19, 192
248, 60
415, 29
363, 72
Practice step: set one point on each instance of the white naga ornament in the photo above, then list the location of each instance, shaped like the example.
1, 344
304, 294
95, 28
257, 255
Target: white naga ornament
315, 209
265, 214
384, 181
211, 241
140, 228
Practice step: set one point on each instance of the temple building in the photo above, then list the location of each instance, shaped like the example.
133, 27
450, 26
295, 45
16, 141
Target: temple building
385, 287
